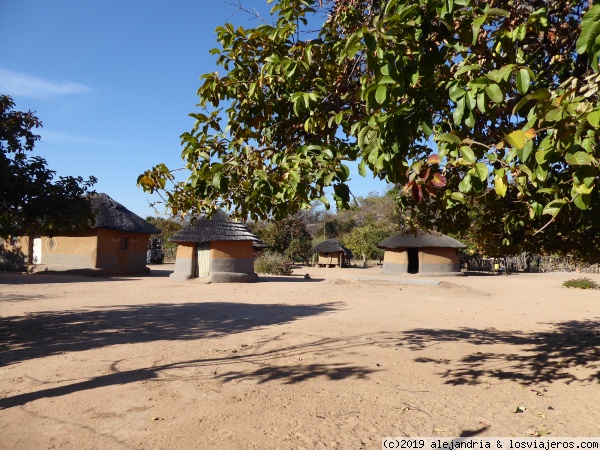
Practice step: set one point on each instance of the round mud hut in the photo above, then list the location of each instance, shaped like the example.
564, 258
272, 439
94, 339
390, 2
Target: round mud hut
426, 254
216, 250
332, 253
115, 244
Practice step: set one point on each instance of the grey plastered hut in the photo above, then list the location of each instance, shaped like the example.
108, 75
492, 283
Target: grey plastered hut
332, 253
115, 245
423, 253
216, 250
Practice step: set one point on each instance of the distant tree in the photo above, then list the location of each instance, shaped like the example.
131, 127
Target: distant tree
290, 238
31, 199
363, 239
167, 227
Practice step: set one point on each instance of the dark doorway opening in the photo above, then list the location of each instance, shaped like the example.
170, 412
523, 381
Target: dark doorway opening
413, 260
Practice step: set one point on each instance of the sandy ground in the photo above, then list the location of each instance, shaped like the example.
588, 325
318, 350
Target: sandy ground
290, 363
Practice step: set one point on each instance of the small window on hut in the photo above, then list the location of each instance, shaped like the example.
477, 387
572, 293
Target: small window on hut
326, 253
124, 243
14, 241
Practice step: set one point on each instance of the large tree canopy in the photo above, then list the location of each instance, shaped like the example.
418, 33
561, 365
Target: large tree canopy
30, 197
466, 105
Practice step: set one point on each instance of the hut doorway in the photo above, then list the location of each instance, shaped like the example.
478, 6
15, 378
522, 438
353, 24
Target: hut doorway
413, 260
37, 250
202, 260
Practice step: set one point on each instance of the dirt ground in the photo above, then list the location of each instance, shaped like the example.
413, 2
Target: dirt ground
329, 362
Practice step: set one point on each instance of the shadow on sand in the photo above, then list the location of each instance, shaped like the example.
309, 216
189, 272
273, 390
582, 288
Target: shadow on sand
543, 357
266, 360
57, 278
47, 333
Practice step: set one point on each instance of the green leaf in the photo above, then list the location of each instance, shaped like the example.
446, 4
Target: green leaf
543, 156
381, 94
541, 94
535, 210
517, 139
589, 30
593, 118
465, 184
527, 170
481, 102
541, 172
467, 68
477, 23
457, 115
497, 12
386, 79
554, 207
582, 201
353, 45
482, 171
478, 83
523, 81
579, 159
470, 120
362, 168
525, 152
500, 185
501, 74
554, 115
494, 92
448, 137
457, 94
467, 154
471, 100
458, 196
216, 181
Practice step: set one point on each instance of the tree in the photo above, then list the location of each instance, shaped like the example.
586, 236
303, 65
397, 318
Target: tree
363, 240
288, 237
466, 105
31, 200
167, 227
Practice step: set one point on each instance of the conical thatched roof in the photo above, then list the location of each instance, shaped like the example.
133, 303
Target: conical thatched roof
217, 228
331, 246
114, 216
420, 240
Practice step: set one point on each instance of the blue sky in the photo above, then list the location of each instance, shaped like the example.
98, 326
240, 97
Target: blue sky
114, 81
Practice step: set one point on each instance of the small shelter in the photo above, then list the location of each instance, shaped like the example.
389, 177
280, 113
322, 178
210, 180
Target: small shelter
217, 250
115, 245
332, 253
423, 253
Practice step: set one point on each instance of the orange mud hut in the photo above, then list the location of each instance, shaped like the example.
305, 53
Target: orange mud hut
215, 250
426, 254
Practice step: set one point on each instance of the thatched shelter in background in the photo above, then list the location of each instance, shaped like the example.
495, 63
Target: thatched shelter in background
115, 245
332, 253
421, 253
259, 247
217, 250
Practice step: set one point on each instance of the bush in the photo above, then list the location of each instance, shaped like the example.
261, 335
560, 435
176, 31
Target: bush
272, 264
581, 283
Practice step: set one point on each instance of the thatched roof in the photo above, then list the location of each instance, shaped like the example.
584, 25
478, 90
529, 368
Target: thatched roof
258, 244
112, 215
420, 240
331, 246
217, 228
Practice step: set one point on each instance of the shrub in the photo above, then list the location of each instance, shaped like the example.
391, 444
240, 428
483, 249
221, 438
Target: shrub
581, 283
272, 264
